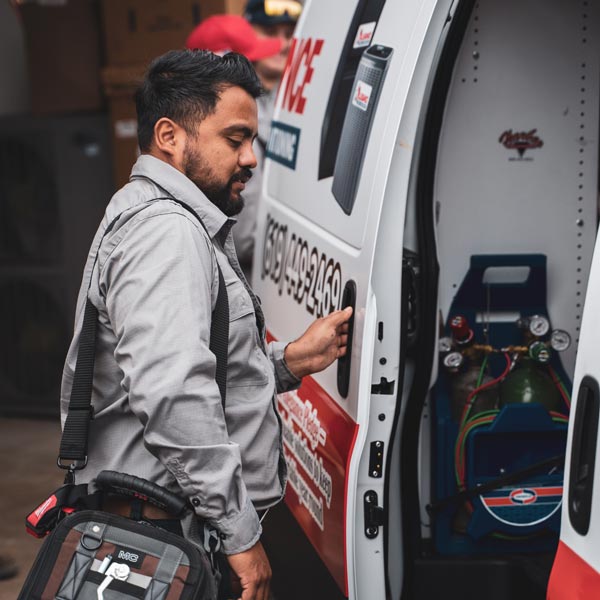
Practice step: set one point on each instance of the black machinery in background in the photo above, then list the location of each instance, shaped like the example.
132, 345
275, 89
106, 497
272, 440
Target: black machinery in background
55, 181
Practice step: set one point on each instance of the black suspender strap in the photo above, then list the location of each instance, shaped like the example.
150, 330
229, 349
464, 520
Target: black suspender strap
74, 442
219, 326
219, 336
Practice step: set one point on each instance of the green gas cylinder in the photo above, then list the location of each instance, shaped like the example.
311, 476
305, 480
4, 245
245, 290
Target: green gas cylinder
528, 383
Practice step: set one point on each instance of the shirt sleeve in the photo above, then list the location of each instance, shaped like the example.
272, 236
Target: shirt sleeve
285, 380
158, 282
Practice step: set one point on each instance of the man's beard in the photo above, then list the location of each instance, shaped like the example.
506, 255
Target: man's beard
197, 170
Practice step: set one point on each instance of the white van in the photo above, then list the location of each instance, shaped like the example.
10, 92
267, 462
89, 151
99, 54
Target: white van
434, 163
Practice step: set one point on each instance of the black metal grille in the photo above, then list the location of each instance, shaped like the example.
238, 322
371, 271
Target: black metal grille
34, 338
29, 206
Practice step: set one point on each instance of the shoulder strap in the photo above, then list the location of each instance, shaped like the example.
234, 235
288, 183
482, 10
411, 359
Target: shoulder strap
74, 441
219, 326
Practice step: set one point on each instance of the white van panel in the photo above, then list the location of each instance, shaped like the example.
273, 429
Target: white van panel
300, 211
521, 78
401, 28
587, 547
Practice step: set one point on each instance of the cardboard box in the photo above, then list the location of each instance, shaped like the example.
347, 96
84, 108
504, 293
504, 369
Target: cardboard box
215, 7
123, 124
136, 31
63, 46
119, 84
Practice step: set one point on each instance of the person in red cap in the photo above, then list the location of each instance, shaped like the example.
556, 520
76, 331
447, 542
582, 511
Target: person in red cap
231, 33
263, 38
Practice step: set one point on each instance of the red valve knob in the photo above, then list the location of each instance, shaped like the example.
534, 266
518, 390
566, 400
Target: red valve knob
461, 332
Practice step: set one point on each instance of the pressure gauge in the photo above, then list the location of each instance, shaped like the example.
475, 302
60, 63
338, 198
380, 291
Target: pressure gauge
445, 344
560, 340
453, 361
538, 325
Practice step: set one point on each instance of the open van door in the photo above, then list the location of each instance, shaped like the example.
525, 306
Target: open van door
322, 225
435, 165
576, 570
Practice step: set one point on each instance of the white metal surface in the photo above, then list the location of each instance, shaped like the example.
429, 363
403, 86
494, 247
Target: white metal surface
587, 547
305, 206
525, 66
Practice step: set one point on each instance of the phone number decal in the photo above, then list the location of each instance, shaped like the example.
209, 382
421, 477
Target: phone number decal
301, 271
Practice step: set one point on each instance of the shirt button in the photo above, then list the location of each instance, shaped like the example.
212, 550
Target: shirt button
195, 501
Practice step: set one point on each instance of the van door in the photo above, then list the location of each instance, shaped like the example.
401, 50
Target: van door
576, 570
509, 187
345, 98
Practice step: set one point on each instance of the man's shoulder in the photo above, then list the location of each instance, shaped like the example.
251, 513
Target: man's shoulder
137, 219
141, 200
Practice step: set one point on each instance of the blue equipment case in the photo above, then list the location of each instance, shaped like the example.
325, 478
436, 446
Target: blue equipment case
520, 435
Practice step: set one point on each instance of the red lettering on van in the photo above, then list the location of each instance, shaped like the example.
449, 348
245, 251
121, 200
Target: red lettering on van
364, 36
295, 79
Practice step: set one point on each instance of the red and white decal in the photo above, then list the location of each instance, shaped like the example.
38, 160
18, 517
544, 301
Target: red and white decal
571, 577
42, 509
318, 438
364, 35
298, 74
362, 95
523, 496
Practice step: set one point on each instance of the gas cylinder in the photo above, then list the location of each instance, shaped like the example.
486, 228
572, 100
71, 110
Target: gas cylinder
528, 383
463, 383
466, 375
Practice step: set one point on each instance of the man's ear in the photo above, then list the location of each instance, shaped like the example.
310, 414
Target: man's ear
169, 138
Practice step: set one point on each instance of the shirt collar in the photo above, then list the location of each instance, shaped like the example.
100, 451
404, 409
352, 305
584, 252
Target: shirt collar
180, 187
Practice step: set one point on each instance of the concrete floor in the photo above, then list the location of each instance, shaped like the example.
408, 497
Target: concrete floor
28, 450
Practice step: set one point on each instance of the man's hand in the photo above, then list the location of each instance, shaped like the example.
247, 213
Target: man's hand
254, 572
323, 342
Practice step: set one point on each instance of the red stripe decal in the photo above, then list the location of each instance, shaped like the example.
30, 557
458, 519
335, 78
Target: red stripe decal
572, 578
346, 511
549, 491
498, 501
318, 438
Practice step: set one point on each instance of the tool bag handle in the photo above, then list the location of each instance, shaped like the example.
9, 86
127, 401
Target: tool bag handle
74, 442
136, 487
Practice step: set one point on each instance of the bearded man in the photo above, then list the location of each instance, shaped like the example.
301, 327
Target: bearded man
153, 275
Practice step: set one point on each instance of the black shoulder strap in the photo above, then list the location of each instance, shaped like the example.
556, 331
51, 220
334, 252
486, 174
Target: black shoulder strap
219, 326
74, 441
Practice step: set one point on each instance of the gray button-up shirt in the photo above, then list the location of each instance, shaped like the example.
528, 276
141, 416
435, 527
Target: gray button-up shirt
158, 411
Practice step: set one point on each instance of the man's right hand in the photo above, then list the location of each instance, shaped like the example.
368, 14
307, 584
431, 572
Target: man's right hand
254, 572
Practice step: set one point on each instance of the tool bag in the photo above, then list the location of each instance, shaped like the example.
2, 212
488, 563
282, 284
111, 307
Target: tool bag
96, 555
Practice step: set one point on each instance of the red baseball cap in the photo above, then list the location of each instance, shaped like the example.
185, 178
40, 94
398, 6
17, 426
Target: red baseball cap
231, 33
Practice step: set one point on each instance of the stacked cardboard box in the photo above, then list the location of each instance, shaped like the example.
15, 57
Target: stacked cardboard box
63, 48
135, 32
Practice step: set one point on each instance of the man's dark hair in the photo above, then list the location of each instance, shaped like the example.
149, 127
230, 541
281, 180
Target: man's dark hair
185, 86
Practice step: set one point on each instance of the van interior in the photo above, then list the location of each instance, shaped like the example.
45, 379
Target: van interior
505, 212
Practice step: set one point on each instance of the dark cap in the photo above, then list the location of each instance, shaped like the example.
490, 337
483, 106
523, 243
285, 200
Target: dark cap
272, 12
